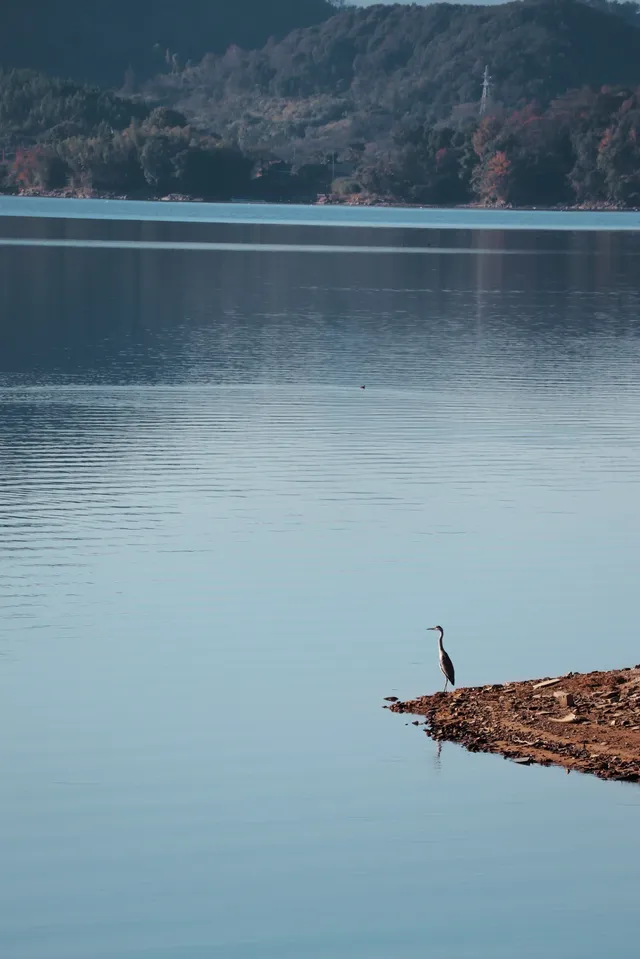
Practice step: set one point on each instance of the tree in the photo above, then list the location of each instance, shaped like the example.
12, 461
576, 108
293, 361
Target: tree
107, 163
38, 168
162, 118
492, 179
213, 171
619, 155
426, 165
157, 159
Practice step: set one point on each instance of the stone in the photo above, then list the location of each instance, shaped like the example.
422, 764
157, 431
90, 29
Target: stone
547, 682
565, 699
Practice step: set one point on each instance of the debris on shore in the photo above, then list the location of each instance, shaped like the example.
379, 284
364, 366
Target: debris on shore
588, 722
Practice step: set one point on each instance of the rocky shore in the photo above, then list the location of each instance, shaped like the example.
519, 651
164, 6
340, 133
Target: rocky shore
372, 199
588, 722
322, 199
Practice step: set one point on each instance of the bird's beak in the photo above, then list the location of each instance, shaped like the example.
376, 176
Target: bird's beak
430, 627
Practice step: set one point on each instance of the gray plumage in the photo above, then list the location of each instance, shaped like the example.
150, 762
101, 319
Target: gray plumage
446, 666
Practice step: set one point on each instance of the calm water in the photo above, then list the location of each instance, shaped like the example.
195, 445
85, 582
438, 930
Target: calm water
218, 555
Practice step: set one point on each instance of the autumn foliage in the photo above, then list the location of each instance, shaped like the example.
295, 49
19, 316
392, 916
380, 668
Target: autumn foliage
583, 148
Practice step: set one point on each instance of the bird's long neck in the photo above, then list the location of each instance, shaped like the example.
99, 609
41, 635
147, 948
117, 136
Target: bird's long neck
440, 635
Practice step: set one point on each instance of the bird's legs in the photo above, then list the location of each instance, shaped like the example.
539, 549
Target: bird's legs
445, 685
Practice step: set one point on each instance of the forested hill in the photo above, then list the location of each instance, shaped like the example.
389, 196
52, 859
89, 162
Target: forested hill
354, 76
379, 102
97, 42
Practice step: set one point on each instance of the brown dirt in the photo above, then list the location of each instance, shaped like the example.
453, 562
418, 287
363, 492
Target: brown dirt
589, 722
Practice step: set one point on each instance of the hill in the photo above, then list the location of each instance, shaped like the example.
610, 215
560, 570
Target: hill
380, 102
97, 43
353, 78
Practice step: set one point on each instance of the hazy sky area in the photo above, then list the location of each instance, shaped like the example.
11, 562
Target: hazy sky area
369, 3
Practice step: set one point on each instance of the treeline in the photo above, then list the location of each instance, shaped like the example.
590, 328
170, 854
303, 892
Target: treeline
154, 157
350, 78
583, 149
157, 156
58, 135
35, 106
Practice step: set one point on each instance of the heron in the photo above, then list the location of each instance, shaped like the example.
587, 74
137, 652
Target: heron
446, 666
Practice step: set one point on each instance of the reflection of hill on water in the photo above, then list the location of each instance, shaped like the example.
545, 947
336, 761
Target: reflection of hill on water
123, 316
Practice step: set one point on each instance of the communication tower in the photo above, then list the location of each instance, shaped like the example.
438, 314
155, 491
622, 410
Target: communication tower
486, 84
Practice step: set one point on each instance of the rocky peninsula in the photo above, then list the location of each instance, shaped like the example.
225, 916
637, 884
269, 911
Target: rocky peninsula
588, 722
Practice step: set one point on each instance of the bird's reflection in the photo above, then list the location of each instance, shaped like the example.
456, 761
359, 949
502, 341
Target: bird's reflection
437, 763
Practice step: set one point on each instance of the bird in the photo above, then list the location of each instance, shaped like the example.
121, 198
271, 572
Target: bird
446, 666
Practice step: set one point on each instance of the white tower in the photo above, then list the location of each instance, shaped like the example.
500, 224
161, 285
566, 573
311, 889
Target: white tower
484, 100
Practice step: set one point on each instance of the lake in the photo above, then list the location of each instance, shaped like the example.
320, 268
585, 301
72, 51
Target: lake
219, 554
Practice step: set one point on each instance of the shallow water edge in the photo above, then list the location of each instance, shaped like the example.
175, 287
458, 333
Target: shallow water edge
319, 215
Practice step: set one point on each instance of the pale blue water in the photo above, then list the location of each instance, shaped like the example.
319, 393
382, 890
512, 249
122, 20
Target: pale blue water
292, 214
218, 555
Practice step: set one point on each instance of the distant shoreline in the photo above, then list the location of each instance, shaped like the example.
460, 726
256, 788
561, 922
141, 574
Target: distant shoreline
356, 200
